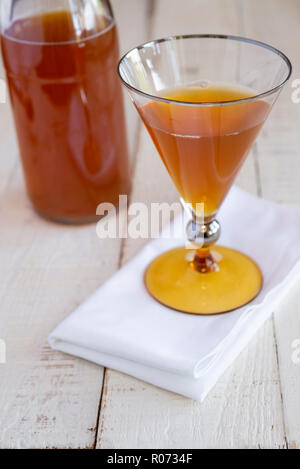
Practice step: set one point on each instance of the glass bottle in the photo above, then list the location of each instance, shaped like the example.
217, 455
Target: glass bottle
61, 60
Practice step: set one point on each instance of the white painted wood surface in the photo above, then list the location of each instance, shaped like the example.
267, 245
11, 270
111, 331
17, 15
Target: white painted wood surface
278, 171
48, 399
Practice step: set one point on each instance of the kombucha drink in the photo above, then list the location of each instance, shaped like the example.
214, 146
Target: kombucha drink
203, 148
68, 110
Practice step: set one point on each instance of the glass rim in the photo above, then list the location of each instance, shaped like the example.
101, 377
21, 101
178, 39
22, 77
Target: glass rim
207, 36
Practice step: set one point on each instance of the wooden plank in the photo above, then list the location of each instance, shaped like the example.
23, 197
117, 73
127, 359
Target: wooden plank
132, 18
48, 399
237, 413
279, 166
244, 408
241, 411
196, 17
8, 147
278, 145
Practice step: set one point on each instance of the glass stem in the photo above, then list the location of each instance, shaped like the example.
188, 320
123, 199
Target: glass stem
204, 261
203, 236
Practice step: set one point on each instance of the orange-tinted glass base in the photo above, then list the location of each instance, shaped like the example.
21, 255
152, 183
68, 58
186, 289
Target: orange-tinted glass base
173, 281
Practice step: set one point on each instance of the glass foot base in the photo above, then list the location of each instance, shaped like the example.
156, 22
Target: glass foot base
173, 281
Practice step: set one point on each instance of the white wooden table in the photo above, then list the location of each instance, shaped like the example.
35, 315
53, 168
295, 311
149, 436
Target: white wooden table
50, 400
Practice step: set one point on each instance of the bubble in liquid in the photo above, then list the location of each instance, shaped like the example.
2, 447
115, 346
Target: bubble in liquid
204, 83
201, 84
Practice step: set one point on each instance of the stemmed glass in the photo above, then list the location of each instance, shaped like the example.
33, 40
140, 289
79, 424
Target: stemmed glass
204, 99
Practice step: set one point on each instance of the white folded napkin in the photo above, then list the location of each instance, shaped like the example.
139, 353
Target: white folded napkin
121, 327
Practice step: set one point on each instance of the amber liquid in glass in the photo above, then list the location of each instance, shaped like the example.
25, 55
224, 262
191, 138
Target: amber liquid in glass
203, 148
68, 109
